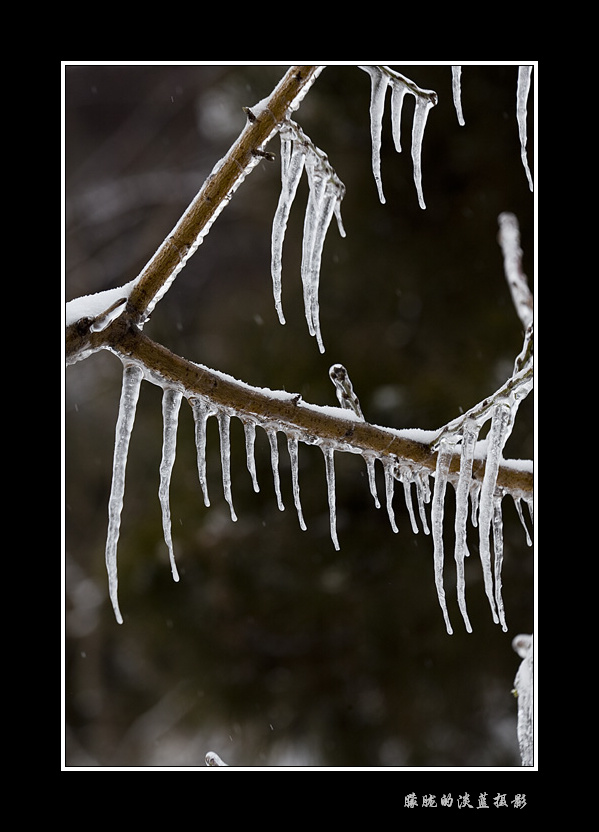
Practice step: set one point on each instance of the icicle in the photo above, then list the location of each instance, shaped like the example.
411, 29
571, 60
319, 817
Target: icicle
249, 429
444, 456
524, 75
524, 690
292, 445
398, 92
469, 437
330, 475
132, 378
421, 111
501, 425
292, 165
380, 78
389, 491
518, 504
423, 494
475, 501
171, 404
274, 461
378, 90
498, 551
406, 478
323, 202
201, 412
344, 389
456, 86
224, 428
372, 479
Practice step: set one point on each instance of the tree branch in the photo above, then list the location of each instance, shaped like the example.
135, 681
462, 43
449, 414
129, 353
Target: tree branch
288, 411
263, 121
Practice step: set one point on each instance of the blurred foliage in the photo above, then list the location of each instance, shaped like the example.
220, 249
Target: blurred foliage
274, 649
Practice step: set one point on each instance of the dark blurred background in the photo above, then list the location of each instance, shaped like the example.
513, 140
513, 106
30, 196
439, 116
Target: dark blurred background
274, 649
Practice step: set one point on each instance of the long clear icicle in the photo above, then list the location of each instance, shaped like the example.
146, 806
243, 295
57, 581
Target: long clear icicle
469, 437
323, 203
274, 463
292, 164
524, 76
171, 404
444, 455
132, 378
224, 428
292, 445
378, 91
330, 475
501, 426
201, 412
498, 553
250, 442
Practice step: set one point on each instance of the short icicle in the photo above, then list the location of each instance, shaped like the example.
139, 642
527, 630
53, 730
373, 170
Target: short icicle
132, 378
389, 492
330, 475
406, 479
370, 460
171, 404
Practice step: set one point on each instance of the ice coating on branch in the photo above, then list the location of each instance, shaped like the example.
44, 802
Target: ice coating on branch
326, 191
524, 691
381, 77
171, 404
524, 76
132, 378
456, 88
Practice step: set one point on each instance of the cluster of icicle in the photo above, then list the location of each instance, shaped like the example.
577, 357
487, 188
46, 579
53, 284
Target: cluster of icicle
326, 192
382, 77
461, 437
203, 409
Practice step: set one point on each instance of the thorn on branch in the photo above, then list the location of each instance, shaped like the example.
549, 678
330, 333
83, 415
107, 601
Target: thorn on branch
264, 154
